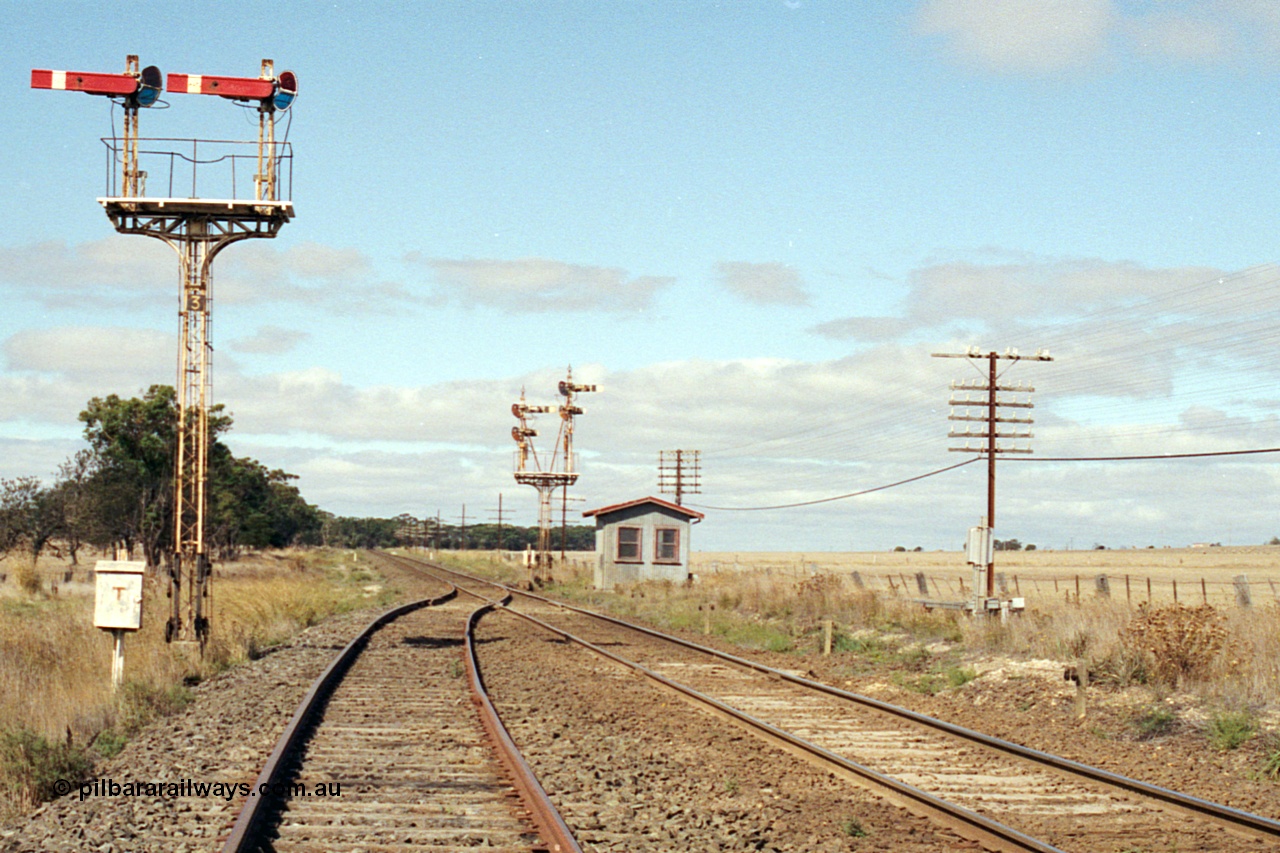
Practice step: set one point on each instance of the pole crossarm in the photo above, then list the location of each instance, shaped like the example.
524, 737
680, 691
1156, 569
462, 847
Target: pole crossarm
991, 434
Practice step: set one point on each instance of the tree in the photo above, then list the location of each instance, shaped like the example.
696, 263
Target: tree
30, 515
134, 443
252, 506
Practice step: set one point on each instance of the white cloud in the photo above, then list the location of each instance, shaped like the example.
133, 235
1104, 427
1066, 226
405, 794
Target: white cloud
270, 340
127, 272
537, 285
772, 431
1019, 35
763, 284
112, 270
1038, 36
106, 353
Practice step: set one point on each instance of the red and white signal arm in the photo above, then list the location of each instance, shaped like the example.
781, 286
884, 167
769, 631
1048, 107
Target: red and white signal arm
144, 88
239, 88
83, 81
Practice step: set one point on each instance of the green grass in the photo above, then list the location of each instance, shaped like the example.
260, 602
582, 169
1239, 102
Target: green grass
1155, 721
754, 635
853, 828
1271, 764
869, 647
30, 765
1228, 730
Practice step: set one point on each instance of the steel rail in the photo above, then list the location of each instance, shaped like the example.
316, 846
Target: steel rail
1235, 818
543, 813
991, 834
244, 832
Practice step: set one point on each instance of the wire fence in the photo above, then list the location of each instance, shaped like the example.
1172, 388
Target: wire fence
1131, 589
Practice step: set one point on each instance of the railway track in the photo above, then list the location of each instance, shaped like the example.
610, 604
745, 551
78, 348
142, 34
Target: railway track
1002, 795
391, 732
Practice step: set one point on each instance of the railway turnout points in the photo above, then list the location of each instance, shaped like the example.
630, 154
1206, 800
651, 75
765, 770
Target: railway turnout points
1056, 803
393, 724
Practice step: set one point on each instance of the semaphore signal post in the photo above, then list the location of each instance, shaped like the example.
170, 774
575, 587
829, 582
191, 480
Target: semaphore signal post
548, 473
987, 402
237, 191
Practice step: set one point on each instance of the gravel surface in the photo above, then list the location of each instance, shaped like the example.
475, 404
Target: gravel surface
632, 768
1028, 702
225, 735
1068, 813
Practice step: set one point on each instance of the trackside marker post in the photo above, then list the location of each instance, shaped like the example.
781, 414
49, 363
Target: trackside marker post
118, 606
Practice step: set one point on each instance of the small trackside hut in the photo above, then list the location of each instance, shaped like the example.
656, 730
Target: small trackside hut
642, 540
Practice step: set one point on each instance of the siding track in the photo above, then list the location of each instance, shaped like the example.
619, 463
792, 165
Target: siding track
1005, 796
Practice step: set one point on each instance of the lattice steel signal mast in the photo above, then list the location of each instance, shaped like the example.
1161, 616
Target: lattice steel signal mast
990, 433
197, 228
560, 470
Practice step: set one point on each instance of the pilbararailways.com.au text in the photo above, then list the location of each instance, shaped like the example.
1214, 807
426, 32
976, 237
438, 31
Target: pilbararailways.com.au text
190, 788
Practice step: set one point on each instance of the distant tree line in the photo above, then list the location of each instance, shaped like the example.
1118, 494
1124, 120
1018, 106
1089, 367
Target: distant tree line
488, 537
405, 531
118, 493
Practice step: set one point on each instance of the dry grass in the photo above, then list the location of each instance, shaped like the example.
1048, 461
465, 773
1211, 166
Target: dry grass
55, 666
1200, 575
1226, 655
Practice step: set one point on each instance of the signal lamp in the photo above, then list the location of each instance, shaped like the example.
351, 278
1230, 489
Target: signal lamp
286, 91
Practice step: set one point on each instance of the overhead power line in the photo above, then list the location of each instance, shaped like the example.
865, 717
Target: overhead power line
842, 497
1145, 456
934, 473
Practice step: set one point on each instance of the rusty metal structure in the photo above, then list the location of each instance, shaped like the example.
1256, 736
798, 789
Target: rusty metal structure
558, 470
197, 227
999, 432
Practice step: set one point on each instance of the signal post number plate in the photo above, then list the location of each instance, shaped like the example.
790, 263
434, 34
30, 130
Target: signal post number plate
118, 602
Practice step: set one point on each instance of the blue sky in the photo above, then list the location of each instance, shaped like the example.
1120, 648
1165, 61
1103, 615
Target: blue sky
750, 223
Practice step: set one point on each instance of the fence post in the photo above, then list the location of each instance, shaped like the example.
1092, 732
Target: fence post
1148, 590
1128, 594
922, 583
857, 581
1102, 586
1017, 590
1204, 591
826, 636
1175, 590
1077, 589
1243, 597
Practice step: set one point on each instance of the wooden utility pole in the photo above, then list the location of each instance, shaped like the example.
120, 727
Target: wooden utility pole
680, 473
991, 420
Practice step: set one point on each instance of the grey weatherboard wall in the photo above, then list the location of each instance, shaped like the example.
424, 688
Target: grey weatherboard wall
648, 517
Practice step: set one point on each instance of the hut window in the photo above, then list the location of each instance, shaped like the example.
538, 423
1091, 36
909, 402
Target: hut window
668, 545
629, 544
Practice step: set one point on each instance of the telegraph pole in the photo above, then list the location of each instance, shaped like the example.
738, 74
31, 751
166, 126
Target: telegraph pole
501, 518
680, 472
464, 527
989, 389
